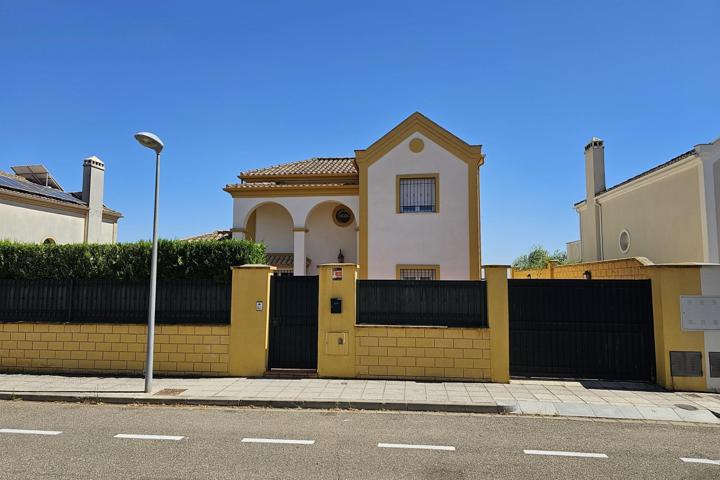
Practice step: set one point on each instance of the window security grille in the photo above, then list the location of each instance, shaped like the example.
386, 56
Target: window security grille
417, 195
417, 274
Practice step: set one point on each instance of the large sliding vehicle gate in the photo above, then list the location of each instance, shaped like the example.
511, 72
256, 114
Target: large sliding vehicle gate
601, 329
293, 312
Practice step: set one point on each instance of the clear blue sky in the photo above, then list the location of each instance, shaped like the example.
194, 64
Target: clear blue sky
237, 85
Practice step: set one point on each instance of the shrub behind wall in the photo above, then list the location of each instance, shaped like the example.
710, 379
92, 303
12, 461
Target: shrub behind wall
177, 259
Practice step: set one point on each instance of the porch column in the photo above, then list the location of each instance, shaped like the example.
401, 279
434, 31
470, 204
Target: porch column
238, 233
299, 251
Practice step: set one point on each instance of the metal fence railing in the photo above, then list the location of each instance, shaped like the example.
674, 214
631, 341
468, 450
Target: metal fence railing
112, 301
448, 303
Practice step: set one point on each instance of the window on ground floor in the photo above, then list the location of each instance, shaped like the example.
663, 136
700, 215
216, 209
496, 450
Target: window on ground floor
418, 272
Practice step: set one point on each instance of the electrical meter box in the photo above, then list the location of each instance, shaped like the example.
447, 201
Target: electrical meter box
336, 343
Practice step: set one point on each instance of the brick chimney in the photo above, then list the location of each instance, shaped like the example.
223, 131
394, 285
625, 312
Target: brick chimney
92, 194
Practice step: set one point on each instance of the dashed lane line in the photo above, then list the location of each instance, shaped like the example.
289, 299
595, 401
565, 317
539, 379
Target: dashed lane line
706, 461
278, 440
133, 436
29, 432
417, 447
559, 453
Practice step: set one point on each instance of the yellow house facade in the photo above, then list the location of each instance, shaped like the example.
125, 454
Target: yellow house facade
405, 207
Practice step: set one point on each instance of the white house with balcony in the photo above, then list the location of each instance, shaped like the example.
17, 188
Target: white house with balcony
405, 207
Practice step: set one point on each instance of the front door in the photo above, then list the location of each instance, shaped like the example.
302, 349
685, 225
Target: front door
293, 322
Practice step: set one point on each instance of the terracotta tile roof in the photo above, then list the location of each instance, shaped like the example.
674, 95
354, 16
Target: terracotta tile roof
283, 261
314, 166
288, 186
672, 161
216, 235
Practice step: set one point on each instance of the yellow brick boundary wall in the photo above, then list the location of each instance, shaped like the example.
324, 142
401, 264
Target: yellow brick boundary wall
429, 352
347, 350
117, 349
635, 268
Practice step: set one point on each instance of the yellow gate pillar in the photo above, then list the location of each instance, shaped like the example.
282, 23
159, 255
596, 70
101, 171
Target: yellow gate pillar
498, 319
336, 330
249, 315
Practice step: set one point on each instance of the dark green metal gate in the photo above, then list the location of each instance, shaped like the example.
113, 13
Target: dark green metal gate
293, 339
600, 329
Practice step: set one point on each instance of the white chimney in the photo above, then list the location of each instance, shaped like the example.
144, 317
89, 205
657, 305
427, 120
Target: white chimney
92, 194
591, 228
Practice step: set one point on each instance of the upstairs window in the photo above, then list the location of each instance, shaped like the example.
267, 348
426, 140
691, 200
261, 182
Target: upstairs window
417, 193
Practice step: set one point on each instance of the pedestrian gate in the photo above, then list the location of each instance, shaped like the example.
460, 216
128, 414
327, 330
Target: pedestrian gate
599, 329
293, 312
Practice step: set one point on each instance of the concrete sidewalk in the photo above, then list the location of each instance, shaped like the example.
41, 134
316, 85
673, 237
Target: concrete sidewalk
534, 397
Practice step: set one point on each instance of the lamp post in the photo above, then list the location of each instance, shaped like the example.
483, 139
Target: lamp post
152, 142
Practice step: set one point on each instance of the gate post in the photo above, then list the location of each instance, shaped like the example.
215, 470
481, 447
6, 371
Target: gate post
336, 331
249, 315
498, 319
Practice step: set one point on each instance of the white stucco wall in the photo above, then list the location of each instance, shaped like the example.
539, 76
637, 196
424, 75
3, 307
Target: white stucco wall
324, 238
710, 285
663, 217
418, 238
108, 232
274, 228
33, 224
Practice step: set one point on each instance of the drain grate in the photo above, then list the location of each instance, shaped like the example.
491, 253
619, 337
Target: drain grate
171, 391
685, 406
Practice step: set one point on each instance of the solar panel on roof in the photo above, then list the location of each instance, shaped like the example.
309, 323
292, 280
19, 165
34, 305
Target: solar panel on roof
34, 189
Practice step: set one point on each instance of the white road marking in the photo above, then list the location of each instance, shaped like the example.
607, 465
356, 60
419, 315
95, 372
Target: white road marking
700, 460
278, 440
149, 437
565, 454
29, 432
418, 447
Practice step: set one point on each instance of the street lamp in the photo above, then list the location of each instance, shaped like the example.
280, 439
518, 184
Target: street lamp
152, 142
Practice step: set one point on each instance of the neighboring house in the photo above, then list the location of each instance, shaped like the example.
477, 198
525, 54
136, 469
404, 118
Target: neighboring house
34, 208
668, 214
405, 207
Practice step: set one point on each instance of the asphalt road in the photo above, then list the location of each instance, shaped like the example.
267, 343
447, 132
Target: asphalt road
224, 443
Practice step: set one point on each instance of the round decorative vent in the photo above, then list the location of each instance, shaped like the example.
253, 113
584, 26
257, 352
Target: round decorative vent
417, 145
342, 216
624, 241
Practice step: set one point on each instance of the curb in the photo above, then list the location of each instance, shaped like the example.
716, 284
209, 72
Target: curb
265, 403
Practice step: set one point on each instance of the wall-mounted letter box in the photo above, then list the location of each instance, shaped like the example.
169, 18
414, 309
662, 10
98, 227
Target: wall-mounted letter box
336, 305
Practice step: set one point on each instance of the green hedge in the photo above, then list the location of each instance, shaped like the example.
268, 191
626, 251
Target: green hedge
177, 259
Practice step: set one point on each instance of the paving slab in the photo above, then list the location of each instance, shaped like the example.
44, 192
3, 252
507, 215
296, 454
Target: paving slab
536, 397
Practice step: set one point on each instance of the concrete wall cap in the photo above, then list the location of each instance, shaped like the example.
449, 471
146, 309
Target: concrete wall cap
338, 265
256, 265
496, 266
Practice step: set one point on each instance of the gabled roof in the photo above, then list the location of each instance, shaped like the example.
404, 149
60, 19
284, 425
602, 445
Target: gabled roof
417, 122
670, 162
316, 166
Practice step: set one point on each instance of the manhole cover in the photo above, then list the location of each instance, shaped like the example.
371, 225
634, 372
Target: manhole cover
171, 391
685, 406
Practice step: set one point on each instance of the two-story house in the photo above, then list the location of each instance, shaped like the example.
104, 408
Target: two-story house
405, 207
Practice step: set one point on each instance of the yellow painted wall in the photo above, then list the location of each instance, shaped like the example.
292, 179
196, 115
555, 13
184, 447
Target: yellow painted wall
428, 352
336, 359
248, 325
668, 283
624, 269
103, 348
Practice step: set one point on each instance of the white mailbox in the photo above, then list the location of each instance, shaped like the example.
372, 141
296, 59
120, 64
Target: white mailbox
700, 312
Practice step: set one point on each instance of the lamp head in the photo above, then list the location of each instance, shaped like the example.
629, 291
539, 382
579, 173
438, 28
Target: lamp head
150, 140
